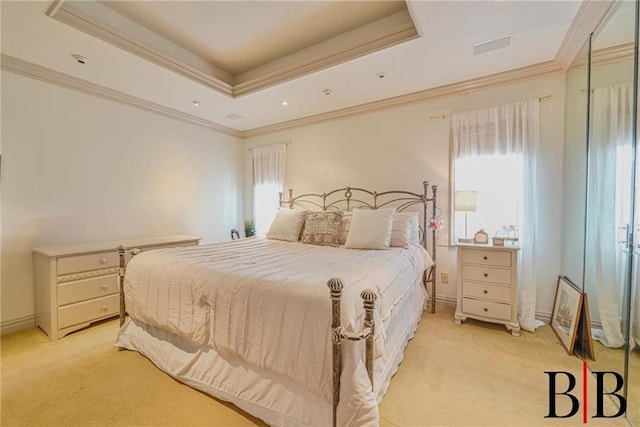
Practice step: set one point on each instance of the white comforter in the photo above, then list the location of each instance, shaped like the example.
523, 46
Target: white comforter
266, 303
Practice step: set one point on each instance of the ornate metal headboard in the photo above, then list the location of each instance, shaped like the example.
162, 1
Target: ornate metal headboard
348, 198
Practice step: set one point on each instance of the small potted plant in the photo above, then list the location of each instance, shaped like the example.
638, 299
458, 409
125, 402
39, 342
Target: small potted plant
249, 227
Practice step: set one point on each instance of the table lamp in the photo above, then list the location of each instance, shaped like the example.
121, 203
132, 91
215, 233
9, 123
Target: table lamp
466, 201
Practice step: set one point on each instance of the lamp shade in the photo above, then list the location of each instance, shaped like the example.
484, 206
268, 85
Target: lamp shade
466, 201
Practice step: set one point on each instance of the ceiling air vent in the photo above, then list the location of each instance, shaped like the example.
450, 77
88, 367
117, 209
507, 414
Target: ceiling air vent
234, 116
490, 45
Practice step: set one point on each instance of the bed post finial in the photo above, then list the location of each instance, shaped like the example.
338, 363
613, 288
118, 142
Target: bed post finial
280, 199
336, 285
291, 198
369, 303
122, 249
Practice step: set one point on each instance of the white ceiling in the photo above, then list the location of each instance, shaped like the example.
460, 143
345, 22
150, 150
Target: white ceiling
443, 54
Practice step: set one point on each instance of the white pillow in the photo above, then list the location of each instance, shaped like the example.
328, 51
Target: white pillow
370, 229
287, 225
345, 225
401, 230
398, 234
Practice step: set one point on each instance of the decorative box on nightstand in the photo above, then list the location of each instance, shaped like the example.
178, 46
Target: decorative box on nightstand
78, 284
488, 285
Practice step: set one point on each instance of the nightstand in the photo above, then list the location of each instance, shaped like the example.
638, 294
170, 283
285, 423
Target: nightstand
488, 285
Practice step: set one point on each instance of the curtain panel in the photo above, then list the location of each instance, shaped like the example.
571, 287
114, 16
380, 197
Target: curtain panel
606, 262
268, 180
510, 129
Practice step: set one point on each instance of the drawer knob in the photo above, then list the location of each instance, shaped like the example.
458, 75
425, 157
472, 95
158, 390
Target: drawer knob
486, 309
486, 275
103, 260
485, 258
106, 308
486, 291
106, 287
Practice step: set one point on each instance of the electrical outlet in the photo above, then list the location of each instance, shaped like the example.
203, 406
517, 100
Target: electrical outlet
444, 277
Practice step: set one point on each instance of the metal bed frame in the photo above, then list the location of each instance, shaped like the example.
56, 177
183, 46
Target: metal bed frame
347, 199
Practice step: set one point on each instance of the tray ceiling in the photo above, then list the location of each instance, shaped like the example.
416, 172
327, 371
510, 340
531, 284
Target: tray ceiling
239, 47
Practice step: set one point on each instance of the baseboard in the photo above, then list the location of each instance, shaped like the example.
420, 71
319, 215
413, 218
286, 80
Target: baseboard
451, 301
19, 324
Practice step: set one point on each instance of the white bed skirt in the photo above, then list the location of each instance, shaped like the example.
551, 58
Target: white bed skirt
265, 395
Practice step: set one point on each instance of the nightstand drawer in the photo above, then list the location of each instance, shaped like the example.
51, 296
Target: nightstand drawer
97, 261
83, 290
88, 311
494, 258
480, 308
486, 274
486, 292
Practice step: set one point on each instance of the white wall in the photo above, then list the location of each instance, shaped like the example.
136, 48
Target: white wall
76, 169
398, 148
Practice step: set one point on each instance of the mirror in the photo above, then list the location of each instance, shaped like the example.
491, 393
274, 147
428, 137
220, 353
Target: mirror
610, 193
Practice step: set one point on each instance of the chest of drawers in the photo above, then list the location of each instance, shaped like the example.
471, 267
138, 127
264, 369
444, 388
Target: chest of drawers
488, 285
76, 285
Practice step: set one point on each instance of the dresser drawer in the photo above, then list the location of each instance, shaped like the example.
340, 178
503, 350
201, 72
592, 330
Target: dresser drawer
97, 261
486, 292
488, 257
83, 290
494, 310
88, 311
486, 274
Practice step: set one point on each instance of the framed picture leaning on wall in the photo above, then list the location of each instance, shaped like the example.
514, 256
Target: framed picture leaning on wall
566, 312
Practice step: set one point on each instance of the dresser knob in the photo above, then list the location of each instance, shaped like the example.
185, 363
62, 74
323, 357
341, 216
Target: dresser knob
106, 308
485, 258
106, 287
486, 309
486, 275
486, 291
103, 260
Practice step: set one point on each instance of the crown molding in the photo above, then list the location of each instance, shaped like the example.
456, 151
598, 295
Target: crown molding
468, 86
88, 24
372, 37
589, 16
326, 60
38, 72
608, 55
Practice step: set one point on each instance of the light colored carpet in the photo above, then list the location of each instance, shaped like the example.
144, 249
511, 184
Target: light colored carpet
452, 375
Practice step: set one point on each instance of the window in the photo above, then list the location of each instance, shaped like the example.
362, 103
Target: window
268, 182
497, 183
495, 152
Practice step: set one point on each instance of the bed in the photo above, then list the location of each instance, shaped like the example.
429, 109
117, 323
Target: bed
293, 333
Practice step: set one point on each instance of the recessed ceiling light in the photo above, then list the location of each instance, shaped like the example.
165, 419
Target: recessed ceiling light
284, 103
381, 75
79, 58
196, 103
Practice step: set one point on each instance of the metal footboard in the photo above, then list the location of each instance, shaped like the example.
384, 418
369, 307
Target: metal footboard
337, 335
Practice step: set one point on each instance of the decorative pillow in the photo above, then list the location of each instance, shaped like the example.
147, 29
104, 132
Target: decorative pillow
405, 229
322, 228
287, 225
344, 227
370, 229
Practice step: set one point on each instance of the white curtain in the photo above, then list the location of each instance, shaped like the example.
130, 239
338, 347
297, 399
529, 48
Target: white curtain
268, 181
510, 129
609, 206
